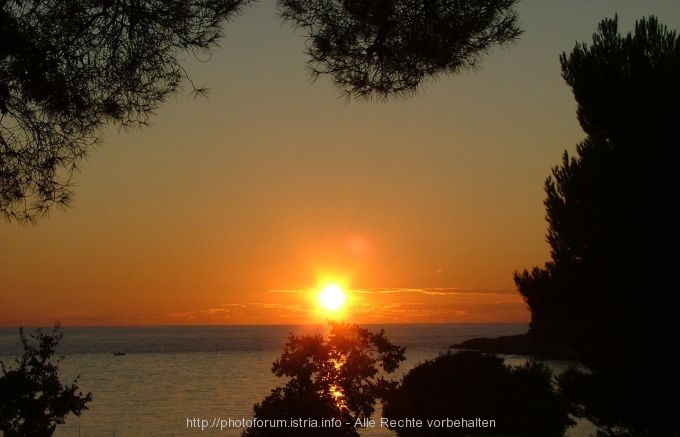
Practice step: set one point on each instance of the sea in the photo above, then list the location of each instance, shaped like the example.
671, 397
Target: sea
180, 381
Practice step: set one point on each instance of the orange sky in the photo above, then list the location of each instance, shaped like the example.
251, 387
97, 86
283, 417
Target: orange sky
236, 208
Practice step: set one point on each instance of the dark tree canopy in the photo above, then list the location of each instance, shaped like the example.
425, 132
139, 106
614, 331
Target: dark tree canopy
387, 47
613, 233
469, 384
69, 67
626, 87
340, 377
33, 401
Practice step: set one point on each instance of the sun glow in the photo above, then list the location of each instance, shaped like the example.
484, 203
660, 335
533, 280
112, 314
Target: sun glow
332, 297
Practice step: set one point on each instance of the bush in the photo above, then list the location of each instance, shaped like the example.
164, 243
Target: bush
470, 385
32, 399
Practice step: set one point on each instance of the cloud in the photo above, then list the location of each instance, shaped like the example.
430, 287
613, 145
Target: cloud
213, 311
443, 312
441, 291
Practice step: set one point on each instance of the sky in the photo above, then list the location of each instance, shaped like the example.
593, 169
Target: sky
237, 208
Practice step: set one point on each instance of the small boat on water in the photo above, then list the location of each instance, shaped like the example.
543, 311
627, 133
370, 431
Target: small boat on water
117, 354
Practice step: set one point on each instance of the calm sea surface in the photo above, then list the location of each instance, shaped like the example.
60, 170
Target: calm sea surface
171, 374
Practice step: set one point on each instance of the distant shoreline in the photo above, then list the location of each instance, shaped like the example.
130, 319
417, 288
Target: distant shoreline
520, 344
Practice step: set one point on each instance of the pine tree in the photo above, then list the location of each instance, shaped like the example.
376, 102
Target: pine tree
614, 239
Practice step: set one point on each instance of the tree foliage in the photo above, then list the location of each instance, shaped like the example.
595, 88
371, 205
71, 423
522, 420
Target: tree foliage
69, 67
387, 47
469, 384
33, 401
613, 235
340, 377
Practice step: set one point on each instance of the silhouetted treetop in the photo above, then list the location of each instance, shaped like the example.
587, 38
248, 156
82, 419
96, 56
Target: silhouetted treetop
347, 362
338, 377
386, 48
626, 82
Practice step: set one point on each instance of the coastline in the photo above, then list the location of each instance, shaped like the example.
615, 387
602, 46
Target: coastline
520, 344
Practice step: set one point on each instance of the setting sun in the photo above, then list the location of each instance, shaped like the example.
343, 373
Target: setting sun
332, 297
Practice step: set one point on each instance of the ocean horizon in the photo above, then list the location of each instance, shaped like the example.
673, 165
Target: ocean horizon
163, 380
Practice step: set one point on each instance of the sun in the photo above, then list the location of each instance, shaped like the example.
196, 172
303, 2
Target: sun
332, 297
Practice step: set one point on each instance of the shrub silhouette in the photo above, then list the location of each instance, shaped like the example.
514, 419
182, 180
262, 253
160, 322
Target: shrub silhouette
472, 385
33, 401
